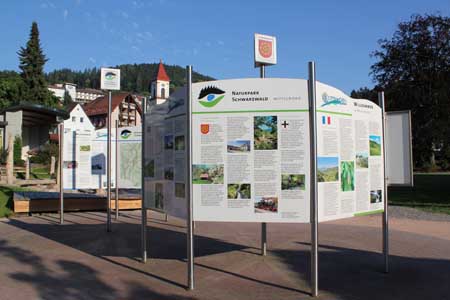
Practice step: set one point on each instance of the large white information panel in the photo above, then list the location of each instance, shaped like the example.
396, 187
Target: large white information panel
77, 152
129, 157
350, 167
399, 148
99, 166
250, 150
165, 156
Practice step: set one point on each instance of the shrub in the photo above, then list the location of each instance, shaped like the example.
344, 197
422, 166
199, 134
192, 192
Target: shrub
45, 154
18, 151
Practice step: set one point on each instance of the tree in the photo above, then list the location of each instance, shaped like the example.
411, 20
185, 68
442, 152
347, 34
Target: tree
413, 69
32, 61
365, 93
67, 99
11, 86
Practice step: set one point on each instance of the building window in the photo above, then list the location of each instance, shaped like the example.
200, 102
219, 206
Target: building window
81, 119
74, 119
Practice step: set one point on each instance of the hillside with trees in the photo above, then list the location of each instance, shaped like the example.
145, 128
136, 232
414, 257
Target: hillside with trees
134, 77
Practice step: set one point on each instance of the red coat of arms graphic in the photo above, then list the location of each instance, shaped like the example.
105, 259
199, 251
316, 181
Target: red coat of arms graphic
204, 128
265, 48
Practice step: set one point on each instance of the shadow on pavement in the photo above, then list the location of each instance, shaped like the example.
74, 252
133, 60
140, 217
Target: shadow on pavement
343, 273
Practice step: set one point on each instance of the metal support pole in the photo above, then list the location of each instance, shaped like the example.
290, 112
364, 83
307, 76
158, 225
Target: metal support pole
117, 171
190, 229
262, 72
61, 165
143, 208
108, 178
313, 178
385, 182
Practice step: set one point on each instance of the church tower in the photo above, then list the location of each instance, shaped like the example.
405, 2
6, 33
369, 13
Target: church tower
159, 85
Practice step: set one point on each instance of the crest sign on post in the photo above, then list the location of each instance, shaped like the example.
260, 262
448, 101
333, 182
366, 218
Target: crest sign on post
265, 50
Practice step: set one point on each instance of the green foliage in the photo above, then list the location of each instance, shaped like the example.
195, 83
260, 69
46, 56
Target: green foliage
67, 99
11, 86
265, 133
365, 93
32, 61
45, 154
239, 191
134, 77
413, 68
18, 151
347, 176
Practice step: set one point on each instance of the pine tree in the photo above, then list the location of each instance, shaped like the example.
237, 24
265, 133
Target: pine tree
32, 61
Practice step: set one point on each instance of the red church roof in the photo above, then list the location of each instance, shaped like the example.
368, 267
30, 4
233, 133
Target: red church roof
162, 75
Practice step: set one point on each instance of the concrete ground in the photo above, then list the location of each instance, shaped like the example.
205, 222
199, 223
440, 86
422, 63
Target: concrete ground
40, 259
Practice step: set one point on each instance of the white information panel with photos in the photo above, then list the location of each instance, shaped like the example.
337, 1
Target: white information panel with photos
251, 153
350, 166
165, 156
250, 140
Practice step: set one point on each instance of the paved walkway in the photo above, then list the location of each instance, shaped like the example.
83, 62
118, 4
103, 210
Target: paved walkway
40, 259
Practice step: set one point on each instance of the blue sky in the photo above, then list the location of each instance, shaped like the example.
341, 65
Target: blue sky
216, 37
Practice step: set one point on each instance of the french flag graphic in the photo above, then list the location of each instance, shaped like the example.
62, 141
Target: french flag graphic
326, 120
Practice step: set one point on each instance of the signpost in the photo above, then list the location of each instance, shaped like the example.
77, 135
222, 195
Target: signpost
61, 172
265, 50
110, 80
314, 217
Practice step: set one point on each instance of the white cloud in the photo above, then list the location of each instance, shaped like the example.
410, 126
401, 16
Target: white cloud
65, 13
92, 60
220, 42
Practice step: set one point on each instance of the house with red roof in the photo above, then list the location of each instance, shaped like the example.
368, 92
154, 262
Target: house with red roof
124, 108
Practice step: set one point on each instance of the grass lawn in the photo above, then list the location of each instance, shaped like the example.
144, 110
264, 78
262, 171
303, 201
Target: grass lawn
6, 199
431, 192
40, 173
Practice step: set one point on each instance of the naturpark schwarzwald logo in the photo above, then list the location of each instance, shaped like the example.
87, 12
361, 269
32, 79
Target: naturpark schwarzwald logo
125, 134
110, 75
210, 96
331, 100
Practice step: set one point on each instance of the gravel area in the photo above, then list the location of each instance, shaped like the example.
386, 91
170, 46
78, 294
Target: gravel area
403, 212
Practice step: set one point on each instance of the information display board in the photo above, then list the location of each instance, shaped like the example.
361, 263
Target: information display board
76, 159
129, 157
98, 160
399, 148
250, 155
165, 156
350, 166
250, 152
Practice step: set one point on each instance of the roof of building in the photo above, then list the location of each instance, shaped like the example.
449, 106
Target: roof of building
36, 114
71, 106
162, 75
99, 106
91, 91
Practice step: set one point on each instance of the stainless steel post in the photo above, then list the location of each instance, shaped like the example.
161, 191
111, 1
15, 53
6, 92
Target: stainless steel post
313, 178
262, 72
61, 166
385, 188
190, 229
108, 176
143, 208
117, 171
